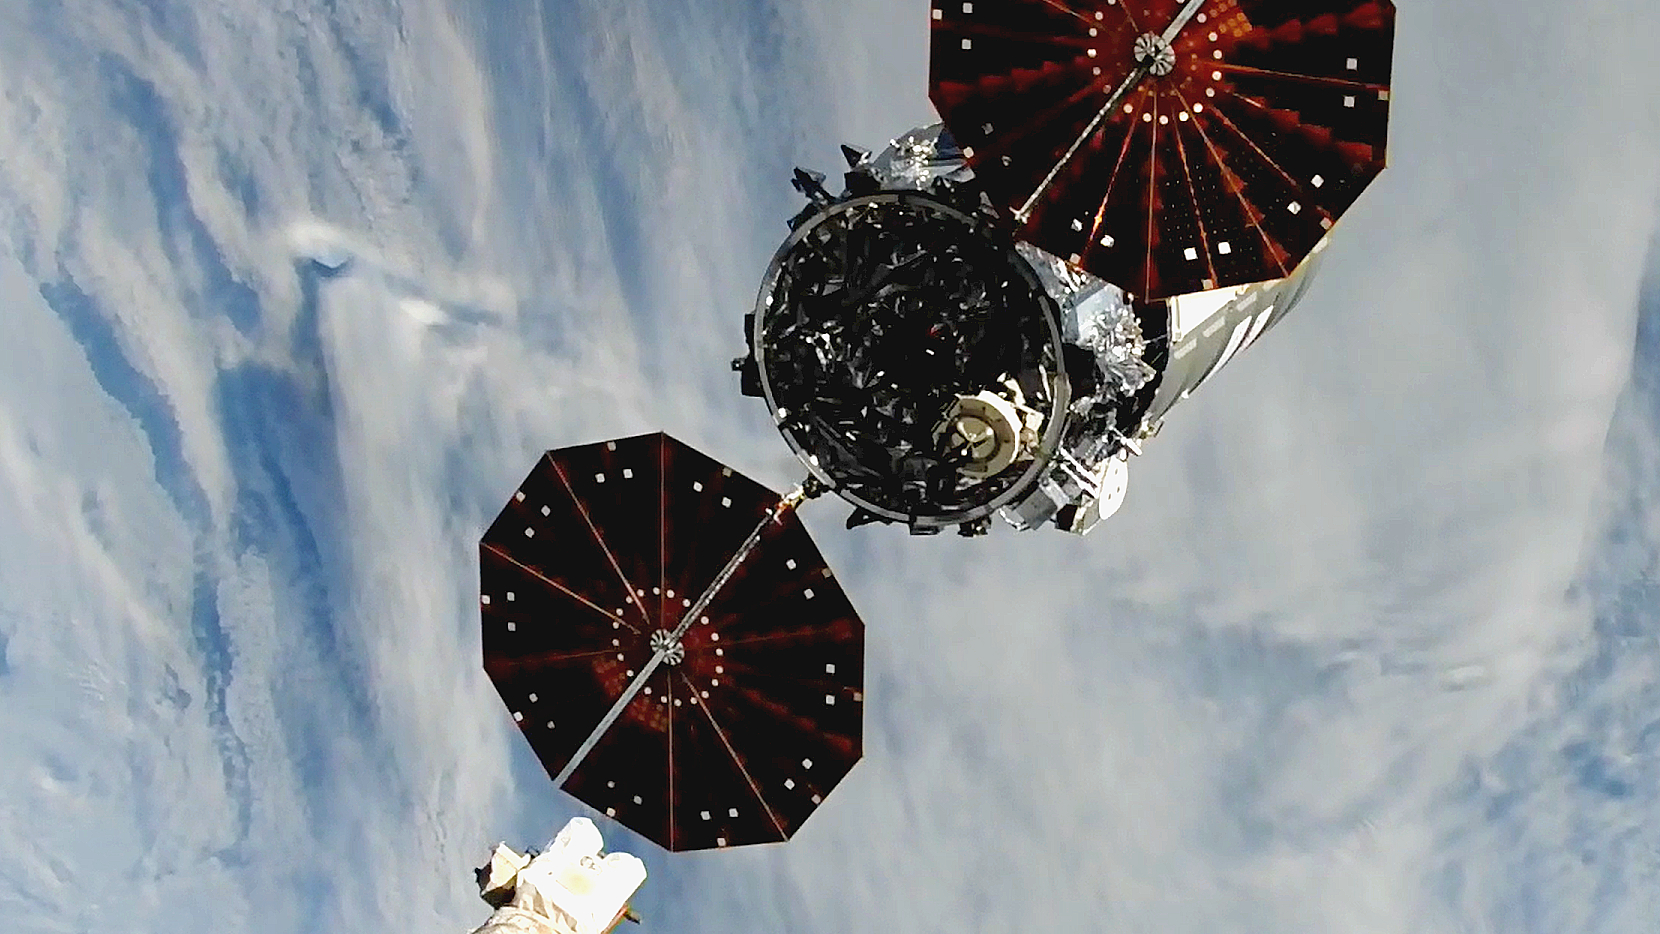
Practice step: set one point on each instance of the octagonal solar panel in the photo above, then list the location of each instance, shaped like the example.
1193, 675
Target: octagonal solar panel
1269, 118
740, 733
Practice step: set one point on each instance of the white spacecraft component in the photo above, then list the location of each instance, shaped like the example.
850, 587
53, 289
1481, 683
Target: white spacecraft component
572, 887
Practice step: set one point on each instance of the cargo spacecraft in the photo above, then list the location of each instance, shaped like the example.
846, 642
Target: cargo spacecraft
987, 319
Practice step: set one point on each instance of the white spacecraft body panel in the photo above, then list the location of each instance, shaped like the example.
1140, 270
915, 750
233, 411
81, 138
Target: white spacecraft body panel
1190, 312
1114, 482
570, 888
1206, 335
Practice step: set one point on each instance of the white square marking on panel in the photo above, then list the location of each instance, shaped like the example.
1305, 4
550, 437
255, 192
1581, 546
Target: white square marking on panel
610, 445
1106, 240
518, 717
628, 473
599, 478
697, 486
1352, 64
546, 511
731, 812
610, 812
1077, 224
968, 8
512, 627
519, 496
1348, 100
789, 783
550, 724
938, 14
808, 593
1224, 248
1294, 207
726, 501
530, 533
968, 43
510, 596
637, 800
1317, 181
484, 598
704, 814
1191, 253
721, 841
817, 799
829, 700
533, 698
789, 563
829, 668
806, 763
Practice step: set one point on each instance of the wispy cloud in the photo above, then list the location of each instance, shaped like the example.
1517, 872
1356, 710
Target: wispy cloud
296, 293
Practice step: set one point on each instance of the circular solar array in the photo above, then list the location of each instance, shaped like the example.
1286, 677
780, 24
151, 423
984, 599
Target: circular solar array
1168, 147
754, 712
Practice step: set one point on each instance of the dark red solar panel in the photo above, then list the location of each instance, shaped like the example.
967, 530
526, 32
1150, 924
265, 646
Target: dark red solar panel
604, 545
1227, 169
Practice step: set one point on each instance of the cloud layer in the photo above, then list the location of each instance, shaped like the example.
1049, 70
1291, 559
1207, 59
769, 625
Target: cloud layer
298, 291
